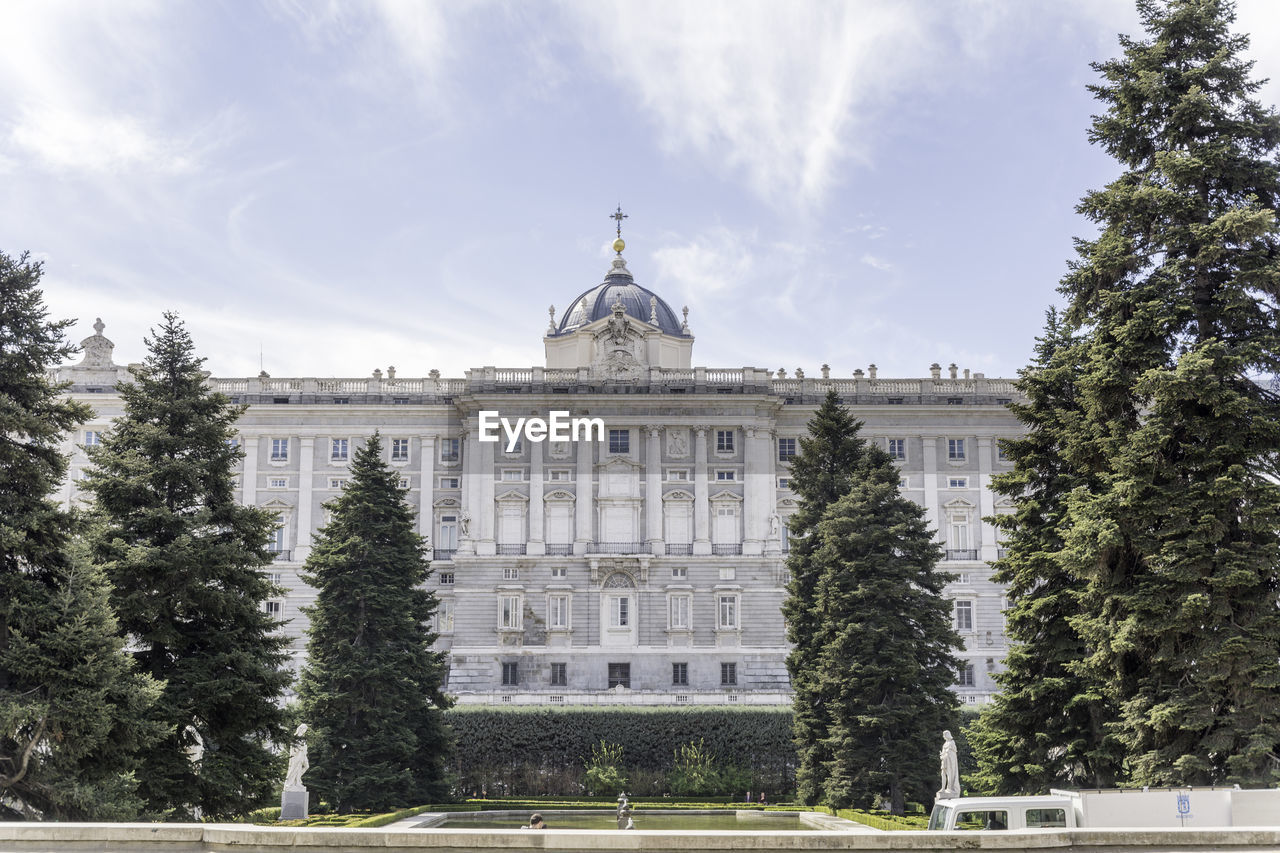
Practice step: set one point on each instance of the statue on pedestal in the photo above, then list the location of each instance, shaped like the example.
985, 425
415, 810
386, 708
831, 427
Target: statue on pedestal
950, 766
294, 799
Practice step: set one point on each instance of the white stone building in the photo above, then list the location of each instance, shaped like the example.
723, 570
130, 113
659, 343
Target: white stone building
647, 567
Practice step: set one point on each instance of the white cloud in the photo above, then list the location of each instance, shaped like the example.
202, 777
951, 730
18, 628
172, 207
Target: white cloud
876, 263
778, 93
66, 140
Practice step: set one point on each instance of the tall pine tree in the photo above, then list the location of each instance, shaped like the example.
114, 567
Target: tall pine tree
885, 643
830, 461
186, 562
1048, 725
1180, 538
73, 712
371, 689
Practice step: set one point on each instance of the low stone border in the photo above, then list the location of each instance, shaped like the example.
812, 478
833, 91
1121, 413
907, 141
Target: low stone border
242, 838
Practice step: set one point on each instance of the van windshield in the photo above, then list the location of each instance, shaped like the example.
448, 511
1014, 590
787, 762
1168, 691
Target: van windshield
938, 819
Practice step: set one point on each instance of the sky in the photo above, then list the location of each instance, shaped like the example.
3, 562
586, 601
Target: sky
325, 188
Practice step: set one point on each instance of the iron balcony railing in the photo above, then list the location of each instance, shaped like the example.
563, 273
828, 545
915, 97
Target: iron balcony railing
445, 554
726, 550
560, 549
510, 550
679, 550
617, 547
962, 553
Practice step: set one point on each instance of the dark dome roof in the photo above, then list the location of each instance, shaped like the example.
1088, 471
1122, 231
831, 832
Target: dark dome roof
619, 286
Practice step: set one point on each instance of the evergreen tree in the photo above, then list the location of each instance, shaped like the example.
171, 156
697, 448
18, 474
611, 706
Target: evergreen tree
186, 562
886, 644
829, 462
1048, 726
1179, 537
72, 710
371, 688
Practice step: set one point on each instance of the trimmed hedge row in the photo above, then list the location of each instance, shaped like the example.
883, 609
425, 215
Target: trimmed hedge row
542, 751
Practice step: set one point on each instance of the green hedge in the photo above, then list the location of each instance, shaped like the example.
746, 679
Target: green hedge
542, 751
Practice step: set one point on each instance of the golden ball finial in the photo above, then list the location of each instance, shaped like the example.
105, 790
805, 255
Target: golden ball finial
619, 245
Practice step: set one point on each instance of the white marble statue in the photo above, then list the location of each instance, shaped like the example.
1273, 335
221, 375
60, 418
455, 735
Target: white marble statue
298, 763
950, 766
464, 522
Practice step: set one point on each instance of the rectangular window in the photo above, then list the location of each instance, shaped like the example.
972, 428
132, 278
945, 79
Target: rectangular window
678, 610
277, 483
897, 448
677, 475
276, 543
404, 482
726, 476
620, 611
619, 441
559, 475
957, 482
510, 674
955, 449
512, 475
1002, 453
510, 612
279, 450
448, 482
516, 449
728, 674
339, 450
728, 619
786, 449
91, 437
444, 618
962, 578
447, 536
449, 449
233, 442
559, 675
341, 401
446, 578
275, 609
724, 441
784, 482
964, 615
558, 612
511, 573
680, 572
680, 674
337, 482
559, 572
620, 675
728, 573
964, 676
399, 450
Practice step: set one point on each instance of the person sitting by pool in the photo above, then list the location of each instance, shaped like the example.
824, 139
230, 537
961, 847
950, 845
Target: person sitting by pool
535, 821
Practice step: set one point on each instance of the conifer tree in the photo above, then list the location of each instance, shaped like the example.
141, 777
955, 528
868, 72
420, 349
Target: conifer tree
371, 689
1048, 725
186, 562
885, 657
1179, 538
73, 712
829, 462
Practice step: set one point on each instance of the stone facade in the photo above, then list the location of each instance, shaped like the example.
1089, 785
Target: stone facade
647, 567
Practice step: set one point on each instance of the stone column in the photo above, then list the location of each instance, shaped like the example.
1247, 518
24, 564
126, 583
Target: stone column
427, 493
584, 500
249, 488
470, 459
701, 495
757, 489
653, 491
986, 500
537, 523
931, 486
487, 544
306, 482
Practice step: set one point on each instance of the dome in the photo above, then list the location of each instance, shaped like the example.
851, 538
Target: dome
619, 286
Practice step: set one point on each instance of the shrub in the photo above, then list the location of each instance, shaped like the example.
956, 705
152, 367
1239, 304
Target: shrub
604, 769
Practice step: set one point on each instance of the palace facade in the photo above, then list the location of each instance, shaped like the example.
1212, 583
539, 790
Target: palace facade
646, 565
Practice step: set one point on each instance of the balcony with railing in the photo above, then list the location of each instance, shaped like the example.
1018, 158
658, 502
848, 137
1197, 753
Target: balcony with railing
675, 549
508, 550
560, 549
726, 550
617, 547
281, 556
444, 555
962, 553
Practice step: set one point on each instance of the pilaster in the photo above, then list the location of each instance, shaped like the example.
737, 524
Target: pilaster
931, 485
653, 490
427, 492
986, 500
537, 523
306, 483
584, 503
701, 496
249, 488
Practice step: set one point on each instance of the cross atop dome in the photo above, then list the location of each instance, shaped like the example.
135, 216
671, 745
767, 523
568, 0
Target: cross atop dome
618, 216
